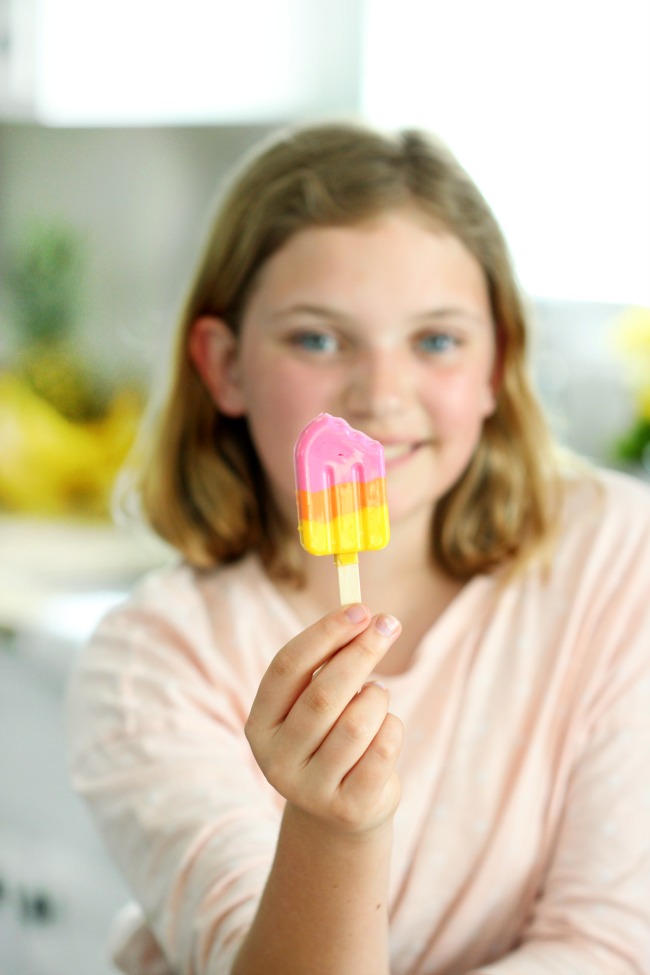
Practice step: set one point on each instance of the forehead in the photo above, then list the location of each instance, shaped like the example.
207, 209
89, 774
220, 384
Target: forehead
401, 248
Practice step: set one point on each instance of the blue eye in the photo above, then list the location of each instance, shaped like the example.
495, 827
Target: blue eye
315, 341
437, 342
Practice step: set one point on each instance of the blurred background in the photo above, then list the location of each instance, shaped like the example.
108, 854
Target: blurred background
118, 121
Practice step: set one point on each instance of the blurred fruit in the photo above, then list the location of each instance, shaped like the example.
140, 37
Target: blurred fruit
58, 375
45, 281
631, 336
63, 438
51, 465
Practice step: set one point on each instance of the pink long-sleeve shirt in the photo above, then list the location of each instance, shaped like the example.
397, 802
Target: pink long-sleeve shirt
522, 841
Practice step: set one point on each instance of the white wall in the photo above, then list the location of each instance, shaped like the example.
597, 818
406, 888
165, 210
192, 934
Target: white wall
547, 104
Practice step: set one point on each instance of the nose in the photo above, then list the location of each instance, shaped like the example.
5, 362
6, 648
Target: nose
379, 384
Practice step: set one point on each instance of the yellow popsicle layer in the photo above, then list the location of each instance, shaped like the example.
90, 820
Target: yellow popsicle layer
364, 530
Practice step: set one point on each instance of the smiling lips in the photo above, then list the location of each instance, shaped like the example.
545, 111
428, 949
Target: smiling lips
394, 452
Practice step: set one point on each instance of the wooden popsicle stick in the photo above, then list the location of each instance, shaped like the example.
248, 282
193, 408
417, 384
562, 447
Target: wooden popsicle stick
349, 585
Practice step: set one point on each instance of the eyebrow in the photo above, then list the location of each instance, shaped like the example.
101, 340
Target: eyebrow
450, 311
333, 314
319, 311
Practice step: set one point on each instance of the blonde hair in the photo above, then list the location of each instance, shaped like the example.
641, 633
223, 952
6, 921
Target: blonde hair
201, 485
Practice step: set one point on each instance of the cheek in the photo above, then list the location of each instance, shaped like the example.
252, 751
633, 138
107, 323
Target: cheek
283, 398
270, 413
279, 403
461, 401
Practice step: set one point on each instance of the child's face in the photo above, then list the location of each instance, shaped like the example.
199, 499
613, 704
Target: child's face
387, 324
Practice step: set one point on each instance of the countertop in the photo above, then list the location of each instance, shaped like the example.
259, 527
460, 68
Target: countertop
58, 577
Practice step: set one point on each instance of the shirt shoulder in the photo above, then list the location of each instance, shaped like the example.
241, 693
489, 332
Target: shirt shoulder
606, 515
185, 597
201, 628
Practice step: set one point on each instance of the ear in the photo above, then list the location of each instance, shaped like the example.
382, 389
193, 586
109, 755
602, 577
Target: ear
213, 350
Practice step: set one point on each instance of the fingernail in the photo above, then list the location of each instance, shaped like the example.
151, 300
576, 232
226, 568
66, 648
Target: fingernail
373, 683
387, 625
356, 613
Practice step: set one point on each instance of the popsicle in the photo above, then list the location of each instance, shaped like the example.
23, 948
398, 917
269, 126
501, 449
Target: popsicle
341, 495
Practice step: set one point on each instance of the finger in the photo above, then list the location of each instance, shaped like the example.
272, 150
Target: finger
372, 781
292, 668
324, 699
350, 736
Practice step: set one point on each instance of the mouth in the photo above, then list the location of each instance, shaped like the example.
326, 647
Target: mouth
396, 452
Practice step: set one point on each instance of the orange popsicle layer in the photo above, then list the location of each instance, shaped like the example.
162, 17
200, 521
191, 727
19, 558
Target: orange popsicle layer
344, 518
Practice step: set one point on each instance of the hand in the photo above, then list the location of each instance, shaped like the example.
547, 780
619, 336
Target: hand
322, 733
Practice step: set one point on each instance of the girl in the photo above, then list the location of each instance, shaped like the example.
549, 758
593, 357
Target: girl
451, 777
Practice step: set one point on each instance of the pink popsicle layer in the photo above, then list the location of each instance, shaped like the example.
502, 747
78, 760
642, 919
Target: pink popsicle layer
341, 488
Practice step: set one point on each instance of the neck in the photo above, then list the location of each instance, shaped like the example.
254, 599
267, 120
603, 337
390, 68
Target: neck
401, 579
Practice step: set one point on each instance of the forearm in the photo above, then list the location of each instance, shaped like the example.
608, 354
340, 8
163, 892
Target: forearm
324, 910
